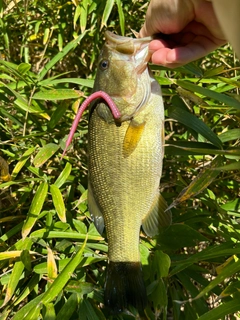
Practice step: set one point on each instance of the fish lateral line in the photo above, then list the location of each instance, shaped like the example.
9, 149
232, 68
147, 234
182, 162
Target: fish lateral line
96, 95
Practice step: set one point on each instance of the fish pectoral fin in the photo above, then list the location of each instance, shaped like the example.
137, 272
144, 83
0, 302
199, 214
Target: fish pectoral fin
95, 212
157, 217
132, 137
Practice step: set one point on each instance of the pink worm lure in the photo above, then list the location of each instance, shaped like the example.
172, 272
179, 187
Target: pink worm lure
99, 94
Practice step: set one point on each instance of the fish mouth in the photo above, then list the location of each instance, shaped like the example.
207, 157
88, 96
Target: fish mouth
137, 47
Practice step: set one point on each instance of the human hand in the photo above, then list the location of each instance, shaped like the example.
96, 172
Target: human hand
190, 27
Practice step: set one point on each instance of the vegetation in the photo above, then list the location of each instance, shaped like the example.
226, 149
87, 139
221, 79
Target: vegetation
52, 259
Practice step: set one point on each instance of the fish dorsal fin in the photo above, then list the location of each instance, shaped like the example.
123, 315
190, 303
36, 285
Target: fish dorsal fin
157, 217
132, 137
94, 210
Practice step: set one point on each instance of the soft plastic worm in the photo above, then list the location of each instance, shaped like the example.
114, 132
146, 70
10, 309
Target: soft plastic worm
96, 95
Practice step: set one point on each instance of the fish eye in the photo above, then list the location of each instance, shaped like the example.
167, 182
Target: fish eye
104, 64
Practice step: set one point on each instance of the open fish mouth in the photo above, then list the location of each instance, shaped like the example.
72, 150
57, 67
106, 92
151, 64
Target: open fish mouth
137, 47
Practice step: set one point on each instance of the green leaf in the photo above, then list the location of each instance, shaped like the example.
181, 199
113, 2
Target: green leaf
185, 117
53, 82
83, 14
30, 286
22, 161
63, 235
231, 102
45, 153
106, 13
201, 182
162, 263
68, 307
232, 134
57, 94
16, 272
58, 202
49, 313
121, 16
70, 46
23, 68
229, 167
31, 305
62, 178
26, 259
178, 236
64, 276
224, 309
57, 114
35, 208
31, 108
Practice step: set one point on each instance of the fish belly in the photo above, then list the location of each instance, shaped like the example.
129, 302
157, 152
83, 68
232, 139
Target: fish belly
124, 187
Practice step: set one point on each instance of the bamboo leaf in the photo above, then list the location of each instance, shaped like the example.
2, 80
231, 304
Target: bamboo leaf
64, 235
201, 182
194, 123
70, 46
57, 94
64, 276
69, 307
31, 305
51, 264
31, 108
23, 68
232, 134
53, 82
121, 16
229, 167
26, 259
231, 102
227, 272
224, 309
83, 14
22, 161
58, 202
45, 153
106, 13
35, 208
16, 273
63, 175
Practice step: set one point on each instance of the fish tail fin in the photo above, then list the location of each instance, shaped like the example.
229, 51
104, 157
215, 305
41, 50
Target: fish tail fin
125, 286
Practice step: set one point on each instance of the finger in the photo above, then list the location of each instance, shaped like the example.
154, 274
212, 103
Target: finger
170, 57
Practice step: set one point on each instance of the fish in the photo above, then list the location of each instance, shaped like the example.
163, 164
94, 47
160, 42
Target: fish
125, 165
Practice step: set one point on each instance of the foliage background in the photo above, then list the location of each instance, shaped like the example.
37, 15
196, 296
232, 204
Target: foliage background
52, 259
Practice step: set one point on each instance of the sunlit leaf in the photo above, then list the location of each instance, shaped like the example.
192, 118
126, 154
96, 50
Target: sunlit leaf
45, 153
57, 94
58, 202
35, 208
106, 13
201, 182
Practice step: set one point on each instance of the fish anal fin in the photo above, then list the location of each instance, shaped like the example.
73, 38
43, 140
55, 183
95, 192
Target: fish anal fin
157, 217
132, 137
94, 210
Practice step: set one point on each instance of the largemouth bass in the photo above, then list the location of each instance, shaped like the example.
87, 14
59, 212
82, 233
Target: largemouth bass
125, 165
